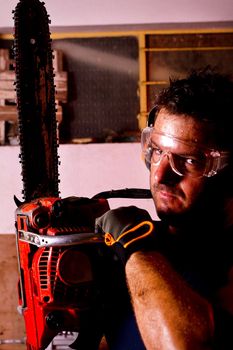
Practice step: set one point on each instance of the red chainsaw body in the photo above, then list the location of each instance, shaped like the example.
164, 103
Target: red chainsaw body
57, 276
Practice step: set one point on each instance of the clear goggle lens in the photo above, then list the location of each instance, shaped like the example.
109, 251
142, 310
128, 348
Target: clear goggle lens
202, 162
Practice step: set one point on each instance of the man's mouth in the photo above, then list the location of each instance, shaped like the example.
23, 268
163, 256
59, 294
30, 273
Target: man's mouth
167, 192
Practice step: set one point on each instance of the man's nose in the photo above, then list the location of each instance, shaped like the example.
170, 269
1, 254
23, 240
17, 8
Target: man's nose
163, 171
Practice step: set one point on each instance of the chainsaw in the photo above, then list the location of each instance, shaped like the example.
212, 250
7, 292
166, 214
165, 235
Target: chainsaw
63, 264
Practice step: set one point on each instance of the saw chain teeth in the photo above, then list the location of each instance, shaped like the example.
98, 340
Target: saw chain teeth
35, 94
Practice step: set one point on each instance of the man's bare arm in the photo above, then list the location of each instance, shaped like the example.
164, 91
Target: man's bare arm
170, 315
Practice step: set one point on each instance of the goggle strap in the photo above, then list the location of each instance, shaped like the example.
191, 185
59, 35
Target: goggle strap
151, 116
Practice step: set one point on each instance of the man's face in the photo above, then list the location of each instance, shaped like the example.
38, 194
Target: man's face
176, 195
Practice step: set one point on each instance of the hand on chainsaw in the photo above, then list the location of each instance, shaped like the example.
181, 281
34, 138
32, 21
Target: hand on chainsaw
126, 230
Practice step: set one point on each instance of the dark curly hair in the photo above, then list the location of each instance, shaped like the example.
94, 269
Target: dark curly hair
206, 95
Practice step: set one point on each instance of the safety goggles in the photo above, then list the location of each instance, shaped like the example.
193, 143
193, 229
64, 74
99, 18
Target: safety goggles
195, 160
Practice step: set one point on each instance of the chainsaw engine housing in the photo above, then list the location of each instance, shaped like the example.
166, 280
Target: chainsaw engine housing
62, 263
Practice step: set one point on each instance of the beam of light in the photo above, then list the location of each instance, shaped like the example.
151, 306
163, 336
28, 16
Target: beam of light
98, 58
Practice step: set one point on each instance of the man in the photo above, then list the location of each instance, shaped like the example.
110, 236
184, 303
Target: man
179, 270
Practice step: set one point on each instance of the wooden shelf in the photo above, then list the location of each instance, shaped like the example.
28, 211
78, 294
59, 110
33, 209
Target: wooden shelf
8, 106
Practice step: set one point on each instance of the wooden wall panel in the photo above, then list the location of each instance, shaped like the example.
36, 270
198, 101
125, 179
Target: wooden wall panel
11, 323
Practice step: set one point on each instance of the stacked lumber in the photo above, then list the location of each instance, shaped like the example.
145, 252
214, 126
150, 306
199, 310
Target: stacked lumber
8, 108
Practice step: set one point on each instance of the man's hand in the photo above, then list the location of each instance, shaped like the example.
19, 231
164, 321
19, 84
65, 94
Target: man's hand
126, 229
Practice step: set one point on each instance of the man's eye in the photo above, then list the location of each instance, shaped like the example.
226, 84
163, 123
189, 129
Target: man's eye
157, 151
191, 161
194, 162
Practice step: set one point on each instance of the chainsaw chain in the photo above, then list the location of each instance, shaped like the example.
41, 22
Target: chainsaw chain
35, 93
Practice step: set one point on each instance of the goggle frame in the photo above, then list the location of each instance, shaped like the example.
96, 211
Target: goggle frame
215, 160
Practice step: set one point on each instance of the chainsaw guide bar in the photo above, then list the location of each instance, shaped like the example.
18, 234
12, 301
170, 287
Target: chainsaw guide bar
35, 92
